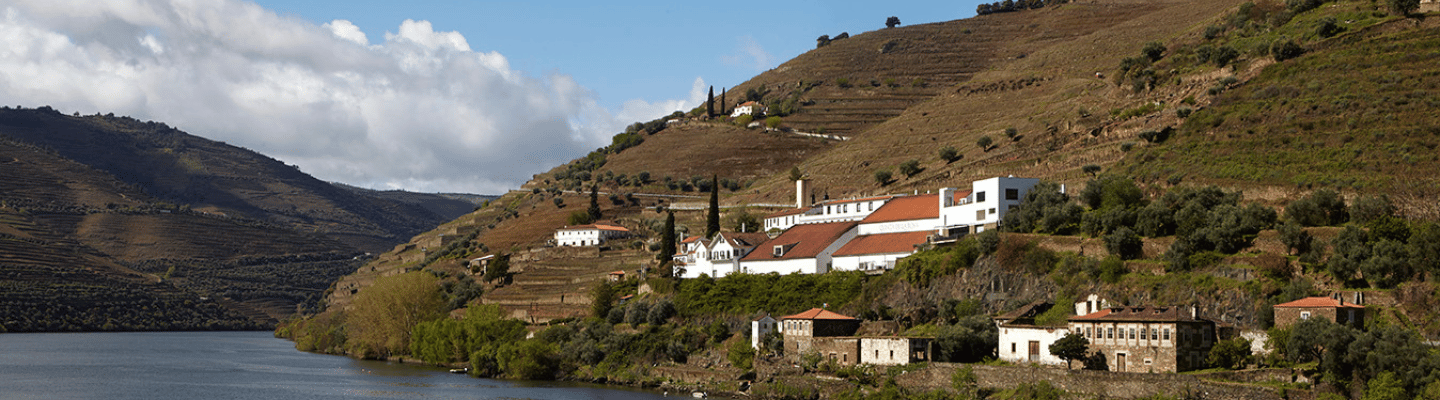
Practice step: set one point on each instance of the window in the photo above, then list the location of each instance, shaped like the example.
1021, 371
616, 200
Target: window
1304, 315
1012, 347
992, 211
1132, 333
1167, 334
1089, 334
779, 251
1012, 194
979, 215
1154, 334
1110, 333
979, 197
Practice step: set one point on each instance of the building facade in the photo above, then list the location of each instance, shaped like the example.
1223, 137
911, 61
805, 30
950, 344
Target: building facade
1022, 341
983, 206
589, 235
802, 331
1148, 338
1334, 308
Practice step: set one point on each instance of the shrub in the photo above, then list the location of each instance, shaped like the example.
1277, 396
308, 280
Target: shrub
1284, 49
740, 354
1322, 207
559, 202
1371, 208
1125, 243
1224, 55
744, 120
984, 142
988, 241
883, 177
1327, 27
772, 122
910, 168
1012, 133
1153, 50
1231, 354
1184, 112
842, 82
949, 154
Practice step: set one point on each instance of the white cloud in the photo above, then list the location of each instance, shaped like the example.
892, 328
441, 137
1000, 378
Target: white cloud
748, 53
419, 111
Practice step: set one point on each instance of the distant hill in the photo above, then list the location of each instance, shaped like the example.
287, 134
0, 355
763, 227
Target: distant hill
132, 215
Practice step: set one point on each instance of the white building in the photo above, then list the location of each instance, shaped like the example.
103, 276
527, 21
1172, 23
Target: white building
748, 108
805, 249
588, 235
890, 233
719, 257
1022, 341
759, 328
982, 207
894, 350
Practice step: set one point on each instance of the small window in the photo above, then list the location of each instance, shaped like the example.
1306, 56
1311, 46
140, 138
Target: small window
1304, 315
1110, 333
1154, 334
1167, 334
1012, 194
992, 211
1012, 347
1089, 334
979, 215
1132, 333
779, 251
979, 197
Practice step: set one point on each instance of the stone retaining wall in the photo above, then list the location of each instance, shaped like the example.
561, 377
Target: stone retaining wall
1093, 383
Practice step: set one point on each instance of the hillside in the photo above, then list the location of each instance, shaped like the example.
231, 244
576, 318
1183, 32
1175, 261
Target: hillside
107, 216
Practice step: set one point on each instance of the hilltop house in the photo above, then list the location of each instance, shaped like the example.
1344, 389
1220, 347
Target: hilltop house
1148, 338
749, 108
1023, 341
1334, 308
806, 249
589, 235
982, 207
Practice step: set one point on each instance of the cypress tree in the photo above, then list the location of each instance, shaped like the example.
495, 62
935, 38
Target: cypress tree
722, 101
710, 103
667, 238
712, 219
594, 203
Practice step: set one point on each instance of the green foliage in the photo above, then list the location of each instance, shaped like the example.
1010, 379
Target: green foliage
744, 120
740, 354
963, 379
499, 267
924, 267
383, 315
1231, 353
528, 359
971, 339
1041, 390
1284, 49
1072, 347
578, 217
795, 174
910, 168
1111, 269
949, 154
882, 177
1385, 387
667, 238
984, 142
773, 122
1153, 51
1012, 133
484, 329
1371, 208
1044, 210
778, 294
988, 241
602, 297
1327, 27
1125, 244
742, 220
1403, 7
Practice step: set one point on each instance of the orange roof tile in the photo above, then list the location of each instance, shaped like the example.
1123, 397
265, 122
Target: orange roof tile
885, 243
690, 239
804, 241
1318, 302
818, 313
906, 208
596, 226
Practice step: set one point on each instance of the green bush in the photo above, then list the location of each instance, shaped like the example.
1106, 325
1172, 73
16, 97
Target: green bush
882, 177
910, 168
1125, 244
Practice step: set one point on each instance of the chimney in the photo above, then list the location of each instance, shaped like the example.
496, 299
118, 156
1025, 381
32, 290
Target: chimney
1193, 314
800, 193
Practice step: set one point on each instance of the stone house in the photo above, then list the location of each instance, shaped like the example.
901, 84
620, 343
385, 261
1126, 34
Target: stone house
1148, 338
895, 350
1334, 308
825, 332
760, 327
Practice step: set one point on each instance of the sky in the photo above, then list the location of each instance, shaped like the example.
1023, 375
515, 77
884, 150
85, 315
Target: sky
427, 96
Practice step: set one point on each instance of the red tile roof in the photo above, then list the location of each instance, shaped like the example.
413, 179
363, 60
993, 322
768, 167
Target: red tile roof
960, 195
817, 313
885, 243
906, 208
1318, 302
690, 239
802, 241
1140, 313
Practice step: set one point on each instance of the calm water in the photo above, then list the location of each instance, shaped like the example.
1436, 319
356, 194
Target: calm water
236, 365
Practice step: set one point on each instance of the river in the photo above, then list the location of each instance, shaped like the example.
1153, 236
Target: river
238, 365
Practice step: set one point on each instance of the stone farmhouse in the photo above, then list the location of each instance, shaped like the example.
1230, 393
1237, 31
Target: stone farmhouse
1334, 308
589, 235
1148, 338
831, 335
760, 327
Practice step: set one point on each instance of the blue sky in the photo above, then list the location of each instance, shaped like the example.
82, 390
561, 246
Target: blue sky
649, 50
428, 96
